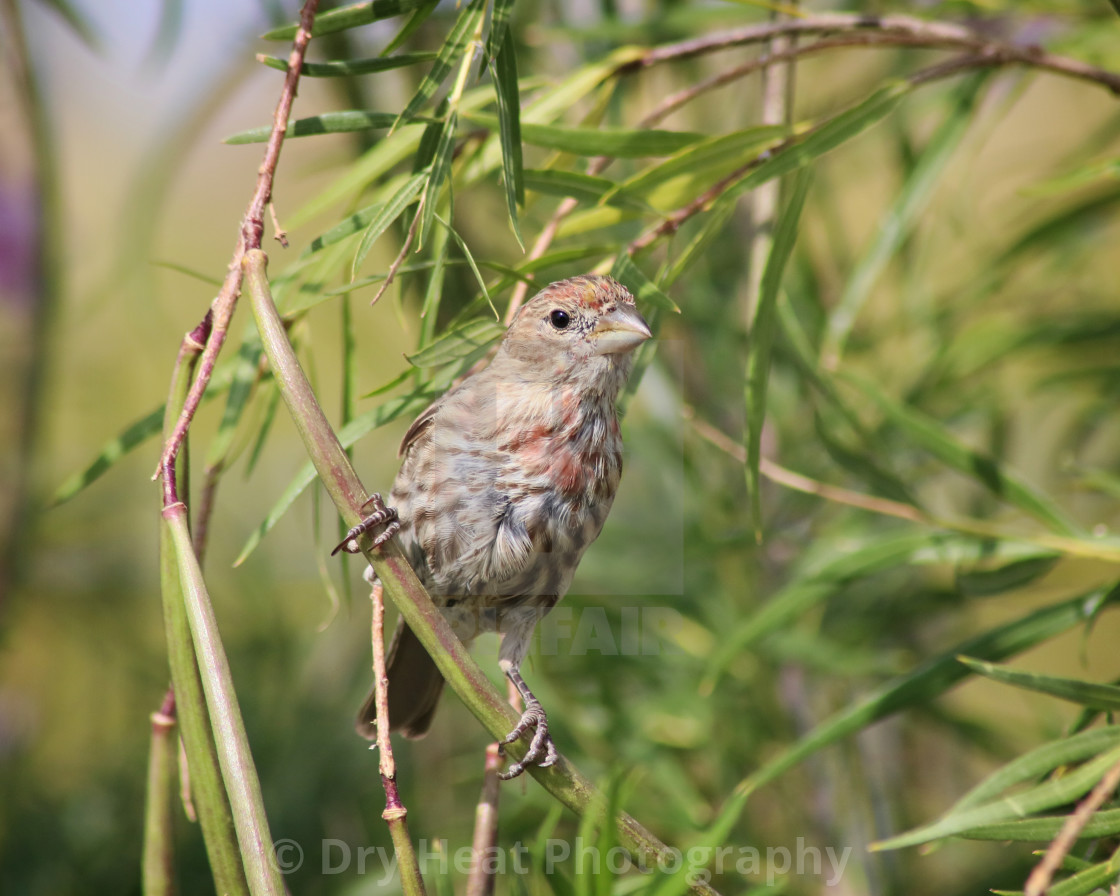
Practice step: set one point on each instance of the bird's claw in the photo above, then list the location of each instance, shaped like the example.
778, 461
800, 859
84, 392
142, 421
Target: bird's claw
374, 514
541, 752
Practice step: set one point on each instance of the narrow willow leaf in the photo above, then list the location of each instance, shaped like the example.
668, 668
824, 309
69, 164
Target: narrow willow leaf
458, 343
809, 590
347, 17
710, 154
617, 142
644, 289
453, 48
112, 451
896, 226
861, 461
132, 436
353, 223
272, 405
368, 169
429, 310
1100, 824
1085, 693
345, 68
985, 469
935, 677
466, 250
328, 123
237, 398
761, 336
713, 225
1053, 792
1039, 761
441, 166
587, 187
499, 28
388, 214
418, 17
1017, 574
503, 71
826, 137
1091, 880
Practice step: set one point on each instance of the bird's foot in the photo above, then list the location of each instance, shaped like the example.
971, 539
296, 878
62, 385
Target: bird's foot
542, 751
374, 514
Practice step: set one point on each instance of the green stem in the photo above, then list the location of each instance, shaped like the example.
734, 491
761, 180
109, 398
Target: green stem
214, 813
158, 868
455, 663
234, 757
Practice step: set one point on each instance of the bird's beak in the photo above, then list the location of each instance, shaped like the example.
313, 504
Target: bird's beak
623, 330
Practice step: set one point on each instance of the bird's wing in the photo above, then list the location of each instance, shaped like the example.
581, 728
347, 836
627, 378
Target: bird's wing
420, 424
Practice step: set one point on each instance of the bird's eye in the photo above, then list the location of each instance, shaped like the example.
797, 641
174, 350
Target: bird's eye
560, 319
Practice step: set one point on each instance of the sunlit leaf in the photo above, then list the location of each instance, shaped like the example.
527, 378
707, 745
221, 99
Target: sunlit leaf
345, 68
346, 17
1086, 693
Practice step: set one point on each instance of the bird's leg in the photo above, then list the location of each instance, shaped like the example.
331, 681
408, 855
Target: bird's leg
374, 514
542, 751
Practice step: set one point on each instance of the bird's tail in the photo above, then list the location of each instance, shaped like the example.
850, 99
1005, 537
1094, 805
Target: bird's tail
414, 688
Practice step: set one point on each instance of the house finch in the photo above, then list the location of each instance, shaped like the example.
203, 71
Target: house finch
506, 479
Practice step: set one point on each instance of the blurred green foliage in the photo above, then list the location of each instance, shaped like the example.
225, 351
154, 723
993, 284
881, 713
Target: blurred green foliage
942, 358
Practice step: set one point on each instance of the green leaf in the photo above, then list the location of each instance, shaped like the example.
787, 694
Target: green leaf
441, 165
810, 589
897, 225
588, 187
387, 215
618, 142
135, 434
1085, 693
347, 17
453, 48
1056, 791
503, 71
980, 466
1038, 762
353, 223
1100, 824
707, 155
1017, 574
418, 17
645, 290
466, 250
345, 68
826, 137
762, 337
1091, 880
500, 33
935, 677
713, 225
458, 343
328, 123
112, 451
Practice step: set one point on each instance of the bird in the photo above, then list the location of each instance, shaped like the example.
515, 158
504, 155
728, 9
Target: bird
505, 480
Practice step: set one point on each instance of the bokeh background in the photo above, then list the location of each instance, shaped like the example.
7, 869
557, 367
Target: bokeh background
995, 315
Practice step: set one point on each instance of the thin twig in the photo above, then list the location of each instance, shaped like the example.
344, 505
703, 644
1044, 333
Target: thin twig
480, 881
796, 481
1039, 880
901, 30
399, 260
249, 237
